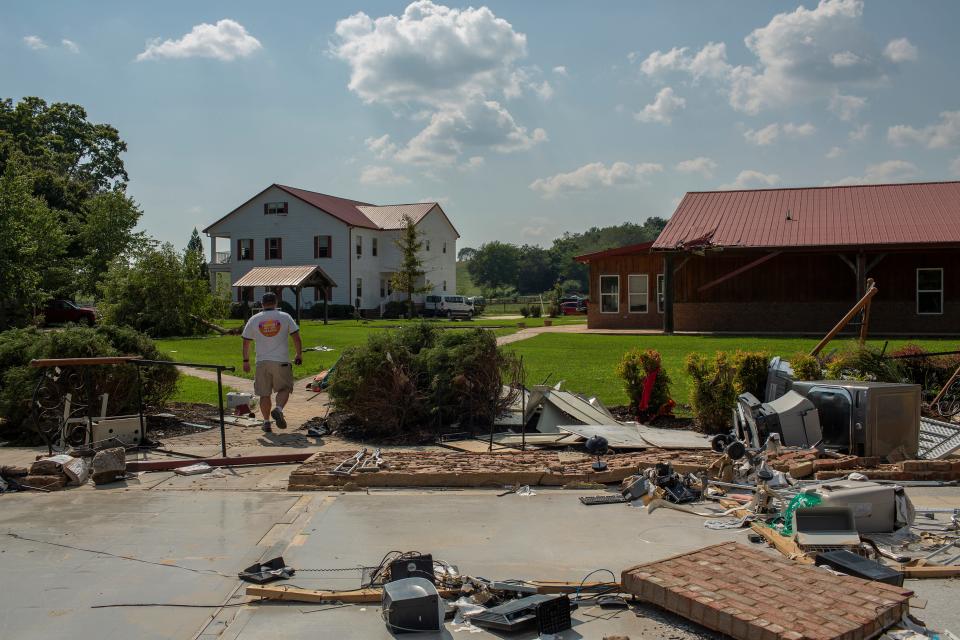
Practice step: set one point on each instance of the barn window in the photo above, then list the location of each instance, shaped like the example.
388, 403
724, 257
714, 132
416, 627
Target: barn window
359, 288
428, 244
609, 294
444, 246
638, 293
659, 293
929, 291
322, 246
359, 246
275, 208
383, 288
373, 246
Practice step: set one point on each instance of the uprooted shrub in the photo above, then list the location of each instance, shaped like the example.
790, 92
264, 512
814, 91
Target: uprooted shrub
411, 383
634, 369
865, 363
714, 392
18, 379
931, 372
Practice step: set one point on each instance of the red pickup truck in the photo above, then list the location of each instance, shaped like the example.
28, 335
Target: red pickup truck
63, 311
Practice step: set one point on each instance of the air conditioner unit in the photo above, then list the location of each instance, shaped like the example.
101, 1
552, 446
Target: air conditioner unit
866, 418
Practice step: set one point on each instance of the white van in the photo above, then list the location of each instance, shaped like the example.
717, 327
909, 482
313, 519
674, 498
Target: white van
447, 306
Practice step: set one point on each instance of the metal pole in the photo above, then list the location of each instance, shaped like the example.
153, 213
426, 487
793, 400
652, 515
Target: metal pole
523, 406
223, 429
143, 426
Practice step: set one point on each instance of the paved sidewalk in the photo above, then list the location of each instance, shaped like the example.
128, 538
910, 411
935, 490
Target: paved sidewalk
525, 334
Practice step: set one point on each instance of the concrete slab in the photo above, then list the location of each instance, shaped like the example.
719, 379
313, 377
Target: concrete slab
180, 548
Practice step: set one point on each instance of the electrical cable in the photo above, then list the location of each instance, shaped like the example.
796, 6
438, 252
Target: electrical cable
613, 584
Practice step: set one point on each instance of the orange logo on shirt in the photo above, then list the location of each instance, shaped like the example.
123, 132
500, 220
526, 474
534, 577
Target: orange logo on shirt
269, 327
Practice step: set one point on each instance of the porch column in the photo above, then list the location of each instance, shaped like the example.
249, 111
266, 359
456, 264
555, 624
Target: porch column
861, 273
326, 305
668, 293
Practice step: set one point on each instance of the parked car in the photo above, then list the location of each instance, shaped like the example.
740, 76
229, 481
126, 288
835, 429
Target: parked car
63, 311
479, 304
572, 308
447, 306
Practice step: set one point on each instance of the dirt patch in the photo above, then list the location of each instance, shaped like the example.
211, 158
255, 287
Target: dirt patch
170, 422
625, 413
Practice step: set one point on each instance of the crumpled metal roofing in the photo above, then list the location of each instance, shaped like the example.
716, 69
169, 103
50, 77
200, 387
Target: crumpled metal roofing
309, 275
883, 214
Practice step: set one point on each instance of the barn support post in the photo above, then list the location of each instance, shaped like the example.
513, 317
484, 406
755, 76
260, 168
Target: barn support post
297, 295
861, 271
668, 293
326, 305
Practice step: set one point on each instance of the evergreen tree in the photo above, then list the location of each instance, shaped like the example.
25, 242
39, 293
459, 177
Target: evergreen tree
195, 246
411, 264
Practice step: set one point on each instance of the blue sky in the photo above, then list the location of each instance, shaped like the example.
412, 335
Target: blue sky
524, 119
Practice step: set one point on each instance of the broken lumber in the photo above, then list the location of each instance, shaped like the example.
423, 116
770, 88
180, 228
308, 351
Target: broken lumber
215, 327
352, 596
931, 571
239, 461
781, 543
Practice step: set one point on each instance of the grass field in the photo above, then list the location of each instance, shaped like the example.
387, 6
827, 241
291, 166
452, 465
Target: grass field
226, 350
587, 362
465, 286
191, 389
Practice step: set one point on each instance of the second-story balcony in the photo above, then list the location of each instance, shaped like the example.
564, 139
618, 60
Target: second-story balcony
221, 259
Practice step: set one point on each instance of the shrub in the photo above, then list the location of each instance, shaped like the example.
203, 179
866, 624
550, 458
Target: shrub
18, 380
714, 392
806, 367
286, 307
931, 372
408, 384
394, 309
865, 363
634, 368
525, 311
751, 372
240, 310
535, 311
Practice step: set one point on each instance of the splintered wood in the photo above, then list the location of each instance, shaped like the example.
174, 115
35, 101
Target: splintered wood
456, 469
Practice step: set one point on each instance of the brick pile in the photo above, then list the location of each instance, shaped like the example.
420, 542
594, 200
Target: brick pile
747, 593
462, 469
808, 464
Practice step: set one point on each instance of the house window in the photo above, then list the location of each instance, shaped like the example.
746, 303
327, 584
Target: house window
245, 249
322, 247
373, 246
609, 294
929, 291
383, 288
659, 293
638, 293
359, 288
275, 208
359, 246
245, 294
428, 244
273, 249
444, 285
444, 246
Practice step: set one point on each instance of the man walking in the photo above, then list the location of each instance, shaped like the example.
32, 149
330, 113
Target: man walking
270, 329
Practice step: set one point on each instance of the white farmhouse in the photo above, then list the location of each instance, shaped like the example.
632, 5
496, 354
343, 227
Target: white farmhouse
351, 241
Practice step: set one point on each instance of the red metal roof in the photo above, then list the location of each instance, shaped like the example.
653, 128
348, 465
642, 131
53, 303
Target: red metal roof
341, 208
642, 247
865, 215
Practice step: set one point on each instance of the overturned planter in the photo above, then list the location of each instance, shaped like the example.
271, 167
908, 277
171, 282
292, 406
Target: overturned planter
460, 469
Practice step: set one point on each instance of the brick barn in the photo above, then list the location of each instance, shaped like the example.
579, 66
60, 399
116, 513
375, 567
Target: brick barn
790, 261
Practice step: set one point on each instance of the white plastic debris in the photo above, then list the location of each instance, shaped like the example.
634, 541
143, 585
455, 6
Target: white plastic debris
78, 470
526, 491
859, 477
193, 469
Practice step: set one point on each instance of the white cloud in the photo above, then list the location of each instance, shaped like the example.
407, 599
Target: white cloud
473, 163
226, 40
834, 152
381, 147
593, 176
769, 134
702, 165
859, 134
560, 70
70, 46
945, 133
450, 67
889, 171
901, 50
846, 107
379, 175
662, 108
34, 42
806, 54
750, 178
845, 59
955, 166
536, 227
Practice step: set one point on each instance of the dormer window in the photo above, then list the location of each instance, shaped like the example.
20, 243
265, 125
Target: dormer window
275, 208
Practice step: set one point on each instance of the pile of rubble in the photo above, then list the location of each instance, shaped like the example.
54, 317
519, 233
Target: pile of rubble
52, 473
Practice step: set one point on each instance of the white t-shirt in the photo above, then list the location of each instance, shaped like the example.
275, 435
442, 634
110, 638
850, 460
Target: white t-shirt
270, 330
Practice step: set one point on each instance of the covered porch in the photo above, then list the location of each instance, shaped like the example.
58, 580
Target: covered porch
295, 278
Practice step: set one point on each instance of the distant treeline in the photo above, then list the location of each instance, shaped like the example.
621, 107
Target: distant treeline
498, 266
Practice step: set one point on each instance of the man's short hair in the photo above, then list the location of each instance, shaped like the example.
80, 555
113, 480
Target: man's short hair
269, 298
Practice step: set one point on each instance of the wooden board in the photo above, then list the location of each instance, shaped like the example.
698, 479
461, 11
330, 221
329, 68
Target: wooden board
296, 594
931, 571
781, 543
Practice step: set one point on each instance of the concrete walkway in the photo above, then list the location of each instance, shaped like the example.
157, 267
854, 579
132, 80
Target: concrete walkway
525, 334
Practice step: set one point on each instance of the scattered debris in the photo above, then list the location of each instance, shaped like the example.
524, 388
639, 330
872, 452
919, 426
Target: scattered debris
109, 465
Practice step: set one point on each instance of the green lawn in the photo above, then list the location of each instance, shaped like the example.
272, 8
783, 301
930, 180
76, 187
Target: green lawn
587, 362
465, 286
191, 389
226, 350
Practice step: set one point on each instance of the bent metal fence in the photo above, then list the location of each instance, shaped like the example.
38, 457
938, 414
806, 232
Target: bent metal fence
66, 404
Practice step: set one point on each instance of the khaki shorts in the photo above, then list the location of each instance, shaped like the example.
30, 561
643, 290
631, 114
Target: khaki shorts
272, 376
